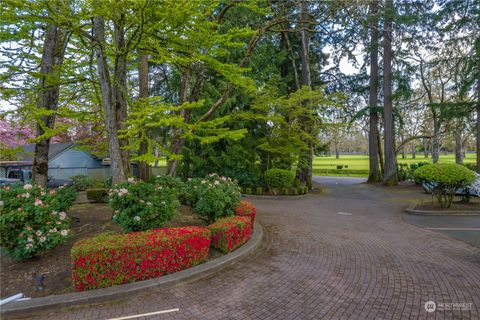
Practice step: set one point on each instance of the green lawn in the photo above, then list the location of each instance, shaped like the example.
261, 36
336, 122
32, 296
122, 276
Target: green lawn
358, 164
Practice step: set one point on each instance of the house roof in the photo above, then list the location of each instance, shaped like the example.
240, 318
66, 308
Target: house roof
54, 150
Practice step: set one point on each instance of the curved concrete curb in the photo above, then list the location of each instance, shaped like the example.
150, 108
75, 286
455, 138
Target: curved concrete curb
412, 210
287, 197
29, 307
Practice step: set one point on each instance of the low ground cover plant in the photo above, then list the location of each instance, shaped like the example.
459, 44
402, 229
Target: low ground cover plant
33, 220
278, 179
246, 209
445, 180
110, 259
213, 197
142, 206
230, 233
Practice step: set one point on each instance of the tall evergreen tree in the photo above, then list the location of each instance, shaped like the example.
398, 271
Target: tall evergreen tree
373, 135
390, 176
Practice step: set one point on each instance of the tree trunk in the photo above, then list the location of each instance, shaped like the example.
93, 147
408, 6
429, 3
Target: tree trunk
390, 177
52, 59
436, 139
380, 155
178, 141
425, 148
413, 150
306, 79
119, 88
143, 167
458, 148
118, 171
304, 173
478, 120
337, 152
375, 174
293, 60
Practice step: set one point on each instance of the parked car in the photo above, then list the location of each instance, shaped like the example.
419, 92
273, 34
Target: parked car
23, 176
473, 190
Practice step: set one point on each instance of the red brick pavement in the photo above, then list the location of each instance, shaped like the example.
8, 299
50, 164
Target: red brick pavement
316, 264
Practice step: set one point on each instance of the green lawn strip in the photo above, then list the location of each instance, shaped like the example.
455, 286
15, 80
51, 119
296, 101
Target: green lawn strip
357, 165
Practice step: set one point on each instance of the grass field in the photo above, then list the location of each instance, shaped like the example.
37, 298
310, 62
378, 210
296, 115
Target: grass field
358, 164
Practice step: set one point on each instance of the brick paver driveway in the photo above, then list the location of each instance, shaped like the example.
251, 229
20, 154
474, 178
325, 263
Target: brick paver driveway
319, 262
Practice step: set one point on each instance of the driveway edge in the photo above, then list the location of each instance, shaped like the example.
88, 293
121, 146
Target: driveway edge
412, 210
29, 307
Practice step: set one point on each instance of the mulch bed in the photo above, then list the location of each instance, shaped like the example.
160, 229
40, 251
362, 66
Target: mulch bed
473, 205
87, 220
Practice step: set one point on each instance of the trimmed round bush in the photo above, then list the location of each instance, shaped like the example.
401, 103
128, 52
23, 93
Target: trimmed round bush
142, 206
446, 179
33, 219
278, 179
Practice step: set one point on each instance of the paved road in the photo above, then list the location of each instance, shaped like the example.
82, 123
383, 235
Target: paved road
465, 228
343, 254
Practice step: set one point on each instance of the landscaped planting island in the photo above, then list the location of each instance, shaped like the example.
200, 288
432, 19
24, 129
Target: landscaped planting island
148, 230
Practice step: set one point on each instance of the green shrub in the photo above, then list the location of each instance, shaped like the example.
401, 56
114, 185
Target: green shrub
192, 189
97, 183
80, 182
278, 179
32, 219
99, 195
285, 191
297, 183
172, 183
248, 190
404, 172
142, 206
259, 191
295, 191
471, 166
213, 197
446, 178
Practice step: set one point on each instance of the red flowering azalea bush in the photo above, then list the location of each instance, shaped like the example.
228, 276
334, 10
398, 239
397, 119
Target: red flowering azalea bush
230, 233
109, 259
246, 209
33, 219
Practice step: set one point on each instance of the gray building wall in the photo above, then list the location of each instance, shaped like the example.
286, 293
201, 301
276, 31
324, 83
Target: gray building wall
72, 158
72, 162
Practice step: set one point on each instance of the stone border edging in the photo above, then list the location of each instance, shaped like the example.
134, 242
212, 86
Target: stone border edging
412, 210
28, 307
280, 197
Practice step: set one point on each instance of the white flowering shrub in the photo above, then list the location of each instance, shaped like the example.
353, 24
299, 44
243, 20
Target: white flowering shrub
213, 197
32, 219
142, 206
